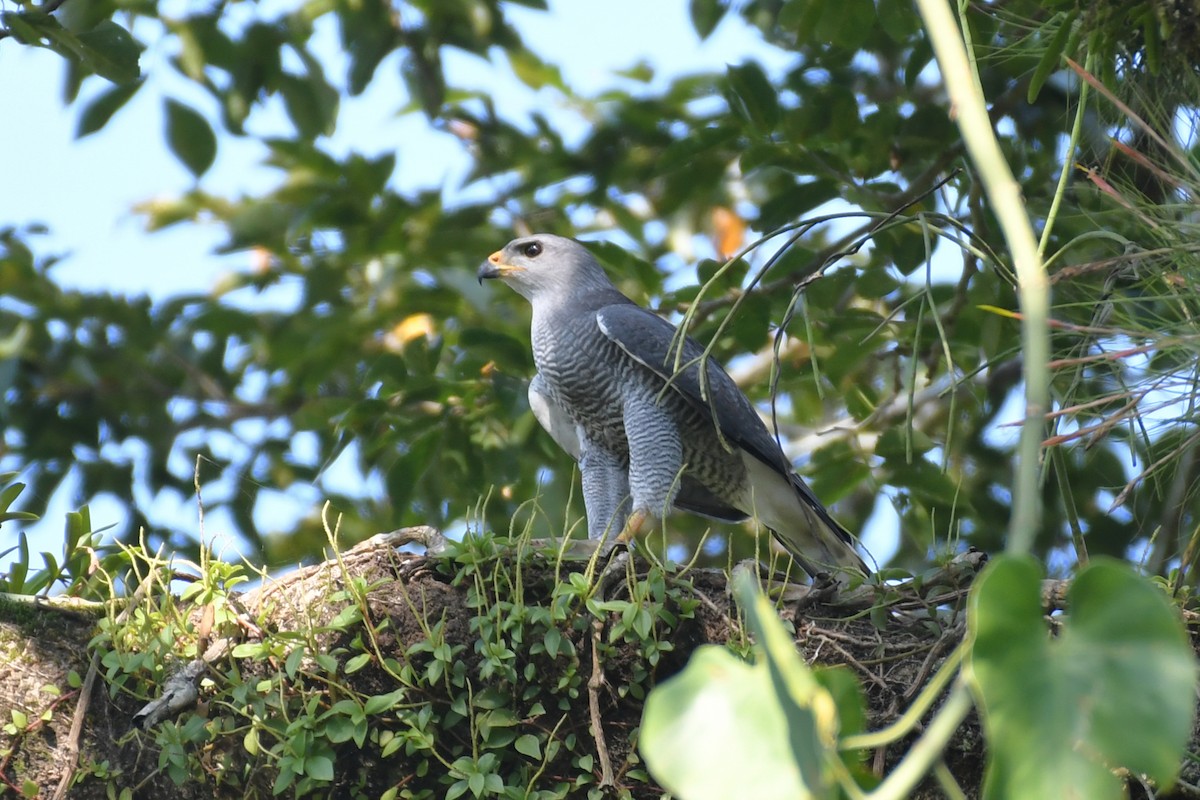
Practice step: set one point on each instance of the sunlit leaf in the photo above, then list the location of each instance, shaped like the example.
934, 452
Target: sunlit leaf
724, 728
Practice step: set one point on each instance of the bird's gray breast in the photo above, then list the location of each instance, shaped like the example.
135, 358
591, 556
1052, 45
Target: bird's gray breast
588, 375
584, 371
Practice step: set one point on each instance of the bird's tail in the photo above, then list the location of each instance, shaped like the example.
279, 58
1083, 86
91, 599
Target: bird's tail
818, 542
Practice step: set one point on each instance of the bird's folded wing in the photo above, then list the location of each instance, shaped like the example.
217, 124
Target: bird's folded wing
650, 340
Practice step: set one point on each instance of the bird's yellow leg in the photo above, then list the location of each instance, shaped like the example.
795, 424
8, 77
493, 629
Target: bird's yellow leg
633, 526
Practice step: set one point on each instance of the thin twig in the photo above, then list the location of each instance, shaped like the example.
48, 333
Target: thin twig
595, 683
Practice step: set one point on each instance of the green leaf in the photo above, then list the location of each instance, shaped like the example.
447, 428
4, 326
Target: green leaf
496, 346
311, 104
319, 768
811, 713
377, 704
804, 17
292, 665
899, 443
684, 153
250, 650
897, 19
1052, 55
846, 30
21, 28
83, 16
753, 97
350, 615
9, 494
723, 728
552, 640
532, 71
340, 729
927, 482
44, 30
107, 49
359, 661
716, 731
1061, 714
528, 745
836, 471
111, 52
78, 525
368, 35
706, 15
921, 55
190, 137
18, 569
100, 110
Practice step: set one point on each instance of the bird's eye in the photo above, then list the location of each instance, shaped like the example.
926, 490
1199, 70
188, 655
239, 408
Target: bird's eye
532, 250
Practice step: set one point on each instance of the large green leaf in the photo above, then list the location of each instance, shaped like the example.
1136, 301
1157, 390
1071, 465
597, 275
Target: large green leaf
717, 731
1115, 689
723, 728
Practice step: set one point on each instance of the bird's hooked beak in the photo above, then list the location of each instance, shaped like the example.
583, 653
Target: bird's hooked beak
495, 268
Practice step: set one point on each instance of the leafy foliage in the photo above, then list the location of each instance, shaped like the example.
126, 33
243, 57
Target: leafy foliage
1111, 692
1060, 715
403, 692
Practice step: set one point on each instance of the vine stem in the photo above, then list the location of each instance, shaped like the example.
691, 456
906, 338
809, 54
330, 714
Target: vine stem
1004, 194
927, 752
909, 719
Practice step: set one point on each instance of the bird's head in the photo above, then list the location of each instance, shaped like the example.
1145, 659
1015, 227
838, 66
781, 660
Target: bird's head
545, 266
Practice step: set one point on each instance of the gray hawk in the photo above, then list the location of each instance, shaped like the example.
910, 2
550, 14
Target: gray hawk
646, 437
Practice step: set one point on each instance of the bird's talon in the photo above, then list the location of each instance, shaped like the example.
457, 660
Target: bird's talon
633, 526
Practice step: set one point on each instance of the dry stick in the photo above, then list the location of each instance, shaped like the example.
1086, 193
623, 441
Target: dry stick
948, 639
1124, 495
595, 682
